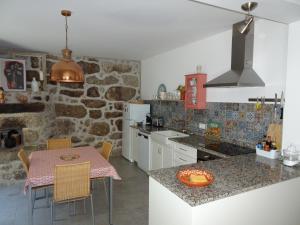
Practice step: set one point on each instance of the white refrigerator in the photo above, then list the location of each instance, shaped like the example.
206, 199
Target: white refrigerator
132, 113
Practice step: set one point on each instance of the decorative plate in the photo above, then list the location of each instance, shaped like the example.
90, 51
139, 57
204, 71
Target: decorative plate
69, 157
161, 88
205, 177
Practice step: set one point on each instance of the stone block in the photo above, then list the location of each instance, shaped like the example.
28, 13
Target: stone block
30, 136
119, 68
93, 92
90, 103
119, 106
130, 80
72, 93
116, 136
65, 126
119, 124
120, 93
35, 62
72, 85
109, 80
76, 111
95, 114
109, 115
89, 68
99, 129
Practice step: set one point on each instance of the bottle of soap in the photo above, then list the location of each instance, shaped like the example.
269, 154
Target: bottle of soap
34, 85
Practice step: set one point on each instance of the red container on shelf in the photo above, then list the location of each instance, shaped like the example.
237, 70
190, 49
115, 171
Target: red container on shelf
195, 93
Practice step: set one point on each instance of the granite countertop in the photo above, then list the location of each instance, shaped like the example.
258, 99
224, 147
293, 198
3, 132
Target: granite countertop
194, 141
149, 129
233, 175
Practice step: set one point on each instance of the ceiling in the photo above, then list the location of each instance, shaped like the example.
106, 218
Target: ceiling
125, 29
286, 11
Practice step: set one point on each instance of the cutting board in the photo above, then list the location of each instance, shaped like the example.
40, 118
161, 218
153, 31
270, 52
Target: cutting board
275, 131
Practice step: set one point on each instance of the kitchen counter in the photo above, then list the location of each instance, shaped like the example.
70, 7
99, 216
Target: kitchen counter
148, 129
233, 175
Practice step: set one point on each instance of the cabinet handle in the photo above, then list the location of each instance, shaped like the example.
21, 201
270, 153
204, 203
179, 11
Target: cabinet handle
183, 149
182, 159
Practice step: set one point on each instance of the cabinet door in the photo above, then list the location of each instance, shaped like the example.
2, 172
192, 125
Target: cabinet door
134, 144
157, 152
167, 157
181, 159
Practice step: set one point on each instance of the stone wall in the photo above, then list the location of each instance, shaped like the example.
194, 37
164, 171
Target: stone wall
89, 113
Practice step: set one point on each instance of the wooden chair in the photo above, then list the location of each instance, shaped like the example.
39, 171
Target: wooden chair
26, 164
25, 160
59, 143
72, 183
106, 150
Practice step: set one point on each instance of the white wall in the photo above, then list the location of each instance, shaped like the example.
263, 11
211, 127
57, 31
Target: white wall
214, 54
291, 120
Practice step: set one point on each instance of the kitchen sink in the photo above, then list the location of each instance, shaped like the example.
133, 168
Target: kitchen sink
163, 136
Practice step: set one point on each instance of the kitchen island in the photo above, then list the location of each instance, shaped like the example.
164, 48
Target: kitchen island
247, 190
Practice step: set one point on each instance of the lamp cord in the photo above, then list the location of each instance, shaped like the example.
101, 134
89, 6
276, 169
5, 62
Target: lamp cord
66, 32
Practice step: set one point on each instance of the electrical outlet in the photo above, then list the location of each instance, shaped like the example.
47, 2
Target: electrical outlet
202, 126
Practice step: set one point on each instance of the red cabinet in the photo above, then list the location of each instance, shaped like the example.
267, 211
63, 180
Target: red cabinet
195, 93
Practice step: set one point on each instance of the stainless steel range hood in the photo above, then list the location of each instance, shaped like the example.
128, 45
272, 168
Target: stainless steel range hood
241, 74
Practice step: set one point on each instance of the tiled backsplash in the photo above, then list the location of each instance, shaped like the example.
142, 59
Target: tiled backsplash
240, 123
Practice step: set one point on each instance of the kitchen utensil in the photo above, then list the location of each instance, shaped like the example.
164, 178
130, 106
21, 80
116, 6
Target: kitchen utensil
184, 176
282, 101
275, 107
157, 121
291, 155
258, 105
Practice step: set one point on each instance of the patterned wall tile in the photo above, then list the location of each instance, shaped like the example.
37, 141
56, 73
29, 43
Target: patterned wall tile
240, 122
250, 116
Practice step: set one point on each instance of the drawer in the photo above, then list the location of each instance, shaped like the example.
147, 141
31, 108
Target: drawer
186, 150
181, 159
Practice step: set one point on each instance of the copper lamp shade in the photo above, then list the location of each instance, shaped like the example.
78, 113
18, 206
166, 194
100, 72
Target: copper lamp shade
66, 70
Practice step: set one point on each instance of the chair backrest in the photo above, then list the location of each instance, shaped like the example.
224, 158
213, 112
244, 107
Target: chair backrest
59, 143
71, 181
24, 159
106, 150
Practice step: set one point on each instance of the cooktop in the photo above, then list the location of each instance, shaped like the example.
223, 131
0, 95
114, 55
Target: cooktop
228, 148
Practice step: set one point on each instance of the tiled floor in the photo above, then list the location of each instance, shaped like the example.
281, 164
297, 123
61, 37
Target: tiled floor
130, 202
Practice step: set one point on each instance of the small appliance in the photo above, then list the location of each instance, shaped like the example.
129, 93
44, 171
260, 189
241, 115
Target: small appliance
291, 155
148, 119
158, 121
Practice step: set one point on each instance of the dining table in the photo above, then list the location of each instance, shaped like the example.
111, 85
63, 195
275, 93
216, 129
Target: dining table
42, 167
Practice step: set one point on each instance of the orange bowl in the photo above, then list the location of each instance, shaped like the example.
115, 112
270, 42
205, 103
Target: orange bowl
184, 177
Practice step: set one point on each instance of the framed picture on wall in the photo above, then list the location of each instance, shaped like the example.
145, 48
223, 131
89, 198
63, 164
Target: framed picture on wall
12, 74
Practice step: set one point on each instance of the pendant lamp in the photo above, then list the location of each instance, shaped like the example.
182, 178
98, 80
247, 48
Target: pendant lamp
66, 70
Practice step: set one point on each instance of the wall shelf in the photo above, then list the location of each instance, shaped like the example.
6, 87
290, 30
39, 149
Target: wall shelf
21, 108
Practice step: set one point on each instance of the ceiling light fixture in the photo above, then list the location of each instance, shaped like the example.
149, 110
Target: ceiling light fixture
248, 7
66, 70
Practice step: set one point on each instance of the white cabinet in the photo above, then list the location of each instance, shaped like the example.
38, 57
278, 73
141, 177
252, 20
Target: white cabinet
167, 157
157, 156
171, 154
183, 154
134, 143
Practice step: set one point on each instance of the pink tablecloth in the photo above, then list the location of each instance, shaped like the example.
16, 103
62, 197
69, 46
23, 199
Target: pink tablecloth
42, 165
